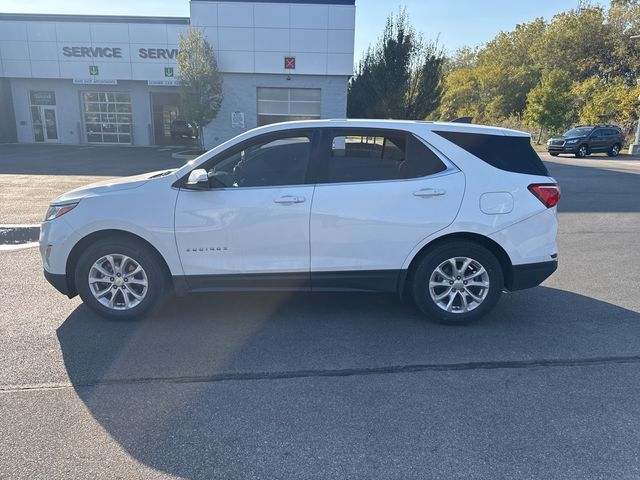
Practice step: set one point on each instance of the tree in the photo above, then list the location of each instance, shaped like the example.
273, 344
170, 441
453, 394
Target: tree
550, 103
401, 77
602, 101
200, 81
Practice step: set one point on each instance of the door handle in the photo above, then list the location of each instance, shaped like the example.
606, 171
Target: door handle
429, 192
289, 199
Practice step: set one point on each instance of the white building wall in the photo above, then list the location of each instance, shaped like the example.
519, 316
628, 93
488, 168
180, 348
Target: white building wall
256, 37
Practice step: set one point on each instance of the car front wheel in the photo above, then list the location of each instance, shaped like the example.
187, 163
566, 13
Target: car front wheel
121, 279
457, 283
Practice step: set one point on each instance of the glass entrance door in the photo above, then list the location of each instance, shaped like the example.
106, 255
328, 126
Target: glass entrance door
45, 125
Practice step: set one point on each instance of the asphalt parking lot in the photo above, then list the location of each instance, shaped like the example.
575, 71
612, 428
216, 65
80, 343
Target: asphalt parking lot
332, 386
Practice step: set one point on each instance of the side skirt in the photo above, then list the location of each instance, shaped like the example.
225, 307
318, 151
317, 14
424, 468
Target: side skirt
342, 281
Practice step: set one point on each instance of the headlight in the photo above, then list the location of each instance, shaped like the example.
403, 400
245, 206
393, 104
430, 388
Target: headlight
56, 211
571, 142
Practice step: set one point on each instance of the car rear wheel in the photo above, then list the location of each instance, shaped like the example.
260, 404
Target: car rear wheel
457, 283
121, 279
582, 152
615, 150
553, 154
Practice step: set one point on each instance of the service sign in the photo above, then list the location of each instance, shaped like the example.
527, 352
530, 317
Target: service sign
143, 53
42, 98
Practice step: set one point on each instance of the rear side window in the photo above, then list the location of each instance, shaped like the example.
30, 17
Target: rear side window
510, 153
374, 156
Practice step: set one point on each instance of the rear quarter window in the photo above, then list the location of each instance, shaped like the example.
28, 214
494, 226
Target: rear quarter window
509, 153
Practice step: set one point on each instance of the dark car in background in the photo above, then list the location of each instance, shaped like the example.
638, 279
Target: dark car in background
585, 140
182, 129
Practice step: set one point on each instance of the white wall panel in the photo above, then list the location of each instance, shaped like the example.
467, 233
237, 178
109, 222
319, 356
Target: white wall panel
13, 30
270, 62
235, 39
148, 33
173, 31
16, 68
309, 63
339, 63
272, 15
110, 32
45, 69
272, 39
41, 31
341, 41
73, 32
309, 16
14, 50
235, 14
342, 17
74, 70
306, 40
236, 61
204, 14
43, 51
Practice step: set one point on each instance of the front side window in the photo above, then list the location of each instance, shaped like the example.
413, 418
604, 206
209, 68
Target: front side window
277, 162
371, 156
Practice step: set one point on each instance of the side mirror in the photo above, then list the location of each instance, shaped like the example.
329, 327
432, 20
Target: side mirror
198, 178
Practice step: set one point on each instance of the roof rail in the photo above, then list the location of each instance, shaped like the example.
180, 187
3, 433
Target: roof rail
462, 120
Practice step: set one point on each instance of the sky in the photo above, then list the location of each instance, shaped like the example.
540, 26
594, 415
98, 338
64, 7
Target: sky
456, 23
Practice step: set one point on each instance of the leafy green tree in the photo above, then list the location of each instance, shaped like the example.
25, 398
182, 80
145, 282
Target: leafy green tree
400, 77
601, 101
200, 81
550, 103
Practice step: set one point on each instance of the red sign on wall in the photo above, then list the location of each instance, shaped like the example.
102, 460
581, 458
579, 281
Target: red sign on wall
290, 63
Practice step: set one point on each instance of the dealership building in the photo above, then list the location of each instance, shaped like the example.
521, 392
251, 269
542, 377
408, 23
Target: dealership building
78, 79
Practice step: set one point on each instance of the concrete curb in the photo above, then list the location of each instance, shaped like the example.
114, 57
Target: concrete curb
19, 234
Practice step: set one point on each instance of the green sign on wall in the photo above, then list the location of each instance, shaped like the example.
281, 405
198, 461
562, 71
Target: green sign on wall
168, 72
93, 70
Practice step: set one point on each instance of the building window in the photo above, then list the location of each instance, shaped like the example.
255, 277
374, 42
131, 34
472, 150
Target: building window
285, 104
107, 117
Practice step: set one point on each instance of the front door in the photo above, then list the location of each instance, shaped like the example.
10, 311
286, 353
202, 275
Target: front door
383, 192
254, 218
45, 125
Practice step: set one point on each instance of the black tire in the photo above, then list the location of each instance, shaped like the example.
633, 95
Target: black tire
553, 154
427, 265
583, 151
615, 150
156, 275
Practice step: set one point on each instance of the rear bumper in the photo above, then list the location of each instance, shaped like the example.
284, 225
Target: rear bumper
530, 274
58, 281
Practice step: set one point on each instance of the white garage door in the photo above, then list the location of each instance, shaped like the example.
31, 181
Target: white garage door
107, 117
286, 104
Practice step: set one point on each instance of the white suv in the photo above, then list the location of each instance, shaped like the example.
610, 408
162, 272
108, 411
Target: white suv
448, 214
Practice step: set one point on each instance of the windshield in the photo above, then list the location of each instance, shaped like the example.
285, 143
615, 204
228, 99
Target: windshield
578, 132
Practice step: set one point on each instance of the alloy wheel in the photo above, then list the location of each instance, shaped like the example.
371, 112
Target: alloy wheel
118, 282
459, 285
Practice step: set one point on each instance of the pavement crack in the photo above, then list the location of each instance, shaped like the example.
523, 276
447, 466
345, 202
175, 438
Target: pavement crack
349, 372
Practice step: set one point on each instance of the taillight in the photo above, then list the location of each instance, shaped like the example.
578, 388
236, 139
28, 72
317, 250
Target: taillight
547, 193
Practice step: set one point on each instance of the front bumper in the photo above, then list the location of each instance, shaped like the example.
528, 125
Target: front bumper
58, 281
530, 275
562, 148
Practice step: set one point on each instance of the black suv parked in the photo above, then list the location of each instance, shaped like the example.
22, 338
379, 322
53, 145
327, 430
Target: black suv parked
585, 140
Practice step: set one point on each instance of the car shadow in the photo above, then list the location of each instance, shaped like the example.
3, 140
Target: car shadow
166, 388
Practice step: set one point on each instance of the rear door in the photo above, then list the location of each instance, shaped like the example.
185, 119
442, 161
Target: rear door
379, 193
